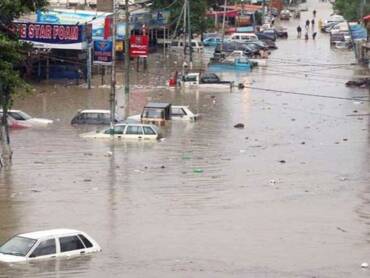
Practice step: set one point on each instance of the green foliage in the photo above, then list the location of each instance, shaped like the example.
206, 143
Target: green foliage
351, 9
198, 12
13, 52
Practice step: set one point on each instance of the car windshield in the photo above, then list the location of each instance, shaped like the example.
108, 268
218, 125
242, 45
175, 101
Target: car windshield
22, 114
153, 113
17, 246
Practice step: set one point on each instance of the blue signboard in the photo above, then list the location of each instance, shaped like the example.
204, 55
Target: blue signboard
103, 52
62, 36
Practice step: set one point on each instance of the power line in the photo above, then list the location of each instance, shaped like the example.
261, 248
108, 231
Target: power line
306, 94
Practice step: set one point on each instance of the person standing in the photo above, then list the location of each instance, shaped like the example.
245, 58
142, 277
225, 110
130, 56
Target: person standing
306, 36
313, 24
307, 25
314, 13
314, 35
299, 31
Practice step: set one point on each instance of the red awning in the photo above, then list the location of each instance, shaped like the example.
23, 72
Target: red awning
366, 18
232, 13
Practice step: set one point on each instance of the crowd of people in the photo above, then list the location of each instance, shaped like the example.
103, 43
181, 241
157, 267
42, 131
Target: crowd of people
307, 28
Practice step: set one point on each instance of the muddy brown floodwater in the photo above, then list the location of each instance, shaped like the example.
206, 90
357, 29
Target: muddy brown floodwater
246, 215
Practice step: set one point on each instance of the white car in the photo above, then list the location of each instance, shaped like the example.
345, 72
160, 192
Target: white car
47, 244
178, 112
26, 120
94, 117
126, 131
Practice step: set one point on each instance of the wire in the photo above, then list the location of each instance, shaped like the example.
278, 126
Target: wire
306, 94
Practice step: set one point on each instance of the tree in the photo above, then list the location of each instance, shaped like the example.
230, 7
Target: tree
198, 12
352, 9
12, 53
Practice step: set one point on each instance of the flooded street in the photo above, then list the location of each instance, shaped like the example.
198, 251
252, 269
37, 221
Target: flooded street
287, 196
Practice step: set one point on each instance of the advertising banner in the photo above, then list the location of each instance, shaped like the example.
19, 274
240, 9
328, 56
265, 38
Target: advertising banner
103, 52
64, 16
139, 46
57, 36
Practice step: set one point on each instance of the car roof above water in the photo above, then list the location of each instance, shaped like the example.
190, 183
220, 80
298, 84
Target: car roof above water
48, 233
104, 111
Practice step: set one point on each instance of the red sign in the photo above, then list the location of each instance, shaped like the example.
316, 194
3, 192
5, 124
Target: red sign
139, 46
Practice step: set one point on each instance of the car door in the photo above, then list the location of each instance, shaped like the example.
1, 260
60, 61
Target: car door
71, 245
134, 132
119, 131
46, 248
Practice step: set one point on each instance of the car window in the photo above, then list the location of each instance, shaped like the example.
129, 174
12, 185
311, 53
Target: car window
17, 246
193, 44
108, 131
16, 116
92, 116
87, 242
134, 129
177, 111
148, 130
105, 116
46, 247
70, 243
153, 113
119, 129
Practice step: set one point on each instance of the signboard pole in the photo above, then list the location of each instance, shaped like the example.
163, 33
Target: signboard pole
89, 66
127, 55
113, 80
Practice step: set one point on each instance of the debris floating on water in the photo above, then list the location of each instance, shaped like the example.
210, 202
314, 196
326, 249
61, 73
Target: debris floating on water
239, 125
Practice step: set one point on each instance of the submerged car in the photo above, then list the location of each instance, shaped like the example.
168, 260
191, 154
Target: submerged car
126, 131
25, 120
93, 117
154, 112
212, 41
47, 244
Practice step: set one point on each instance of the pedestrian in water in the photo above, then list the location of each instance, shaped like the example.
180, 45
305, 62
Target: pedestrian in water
299, 31
314, 13
313, 24
314, 35
306, 36
307, 25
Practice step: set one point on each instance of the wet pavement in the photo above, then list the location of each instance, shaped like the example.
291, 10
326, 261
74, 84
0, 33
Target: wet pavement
287, 196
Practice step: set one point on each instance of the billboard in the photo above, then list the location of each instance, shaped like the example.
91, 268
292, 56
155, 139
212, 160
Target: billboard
56, 36
103, 52
139, 46
64, 16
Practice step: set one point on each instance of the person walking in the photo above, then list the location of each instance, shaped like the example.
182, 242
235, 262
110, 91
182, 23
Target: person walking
314, 13
314, 35
307, 25
313, 24
306, 36
299, 31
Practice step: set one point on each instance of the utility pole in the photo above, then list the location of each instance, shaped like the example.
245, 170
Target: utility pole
184, 26
362, 8
189, 36
127, 55
223, 27
113, 80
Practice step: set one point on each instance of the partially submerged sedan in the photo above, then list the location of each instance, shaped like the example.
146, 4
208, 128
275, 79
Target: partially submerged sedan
47, 244
26, 120
126, 131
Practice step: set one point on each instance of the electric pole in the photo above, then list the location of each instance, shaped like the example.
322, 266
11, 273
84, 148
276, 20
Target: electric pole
189, 36
113, 80
127, 54
223, 27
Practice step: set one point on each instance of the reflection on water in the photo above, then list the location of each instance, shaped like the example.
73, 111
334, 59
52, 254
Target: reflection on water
209, 200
